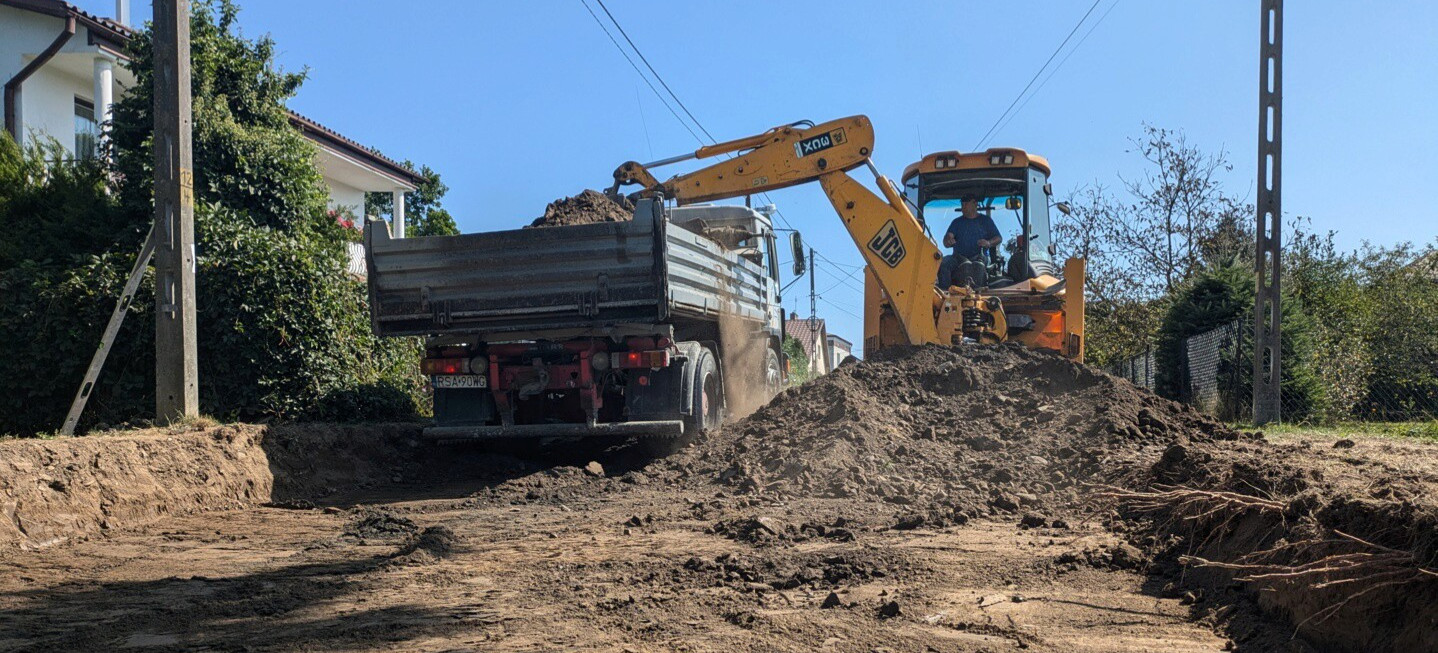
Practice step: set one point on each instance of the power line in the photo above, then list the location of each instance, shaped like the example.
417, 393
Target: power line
652, 70
1036, 75
639, 72
1060, 65
841, 309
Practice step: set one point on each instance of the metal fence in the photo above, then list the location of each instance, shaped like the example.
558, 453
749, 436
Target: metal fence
1215, 369
1138, 370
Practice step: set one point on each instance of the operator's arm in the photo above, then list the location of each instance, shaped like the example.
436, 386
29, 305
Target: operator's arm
993, 237
949, 239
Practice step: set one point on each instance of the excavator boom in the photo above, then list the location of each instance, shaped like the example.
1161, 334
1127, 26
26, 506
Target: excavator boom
892, 241
902, 304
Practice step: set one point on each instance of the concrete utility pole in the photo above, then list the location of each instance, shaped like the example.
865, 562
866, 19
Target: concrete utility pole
1267, 341
176, 385
813, 298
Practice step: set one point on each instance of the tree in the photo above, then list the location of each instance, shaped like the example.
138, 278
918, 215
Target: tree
1222, 295
798, 361
1170, 223
423, 215
283, 331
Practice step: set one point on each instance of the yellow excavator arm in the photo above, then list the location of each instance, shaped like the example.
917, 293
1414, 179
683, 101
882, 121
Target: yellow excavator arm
902, 259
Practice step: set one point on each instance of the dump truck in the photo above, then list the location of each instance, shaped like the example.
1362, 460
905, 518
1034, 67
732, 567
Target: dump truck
641, 327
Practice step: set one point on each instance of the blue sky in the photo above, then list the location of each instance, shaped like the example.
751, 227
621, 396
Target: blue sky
517, 103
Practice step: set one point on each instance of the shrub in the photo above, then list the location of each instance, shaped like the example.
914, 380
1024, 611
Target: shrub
1219, 296
283, 331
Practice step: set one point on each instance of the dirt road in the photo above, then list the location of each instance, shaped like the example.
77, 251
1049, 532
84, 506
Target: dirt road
939, 499
628, 569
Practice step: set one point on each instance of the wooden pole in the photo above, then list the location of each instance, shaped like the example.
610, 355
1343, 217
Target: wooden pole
176, 384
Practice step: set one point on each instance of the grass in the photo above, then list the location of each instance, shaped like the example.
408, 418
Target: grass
182, 425
1427, 431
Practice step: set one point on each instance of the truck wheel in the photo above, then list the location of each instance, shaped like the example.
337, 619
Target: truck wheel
773, 374
706, 396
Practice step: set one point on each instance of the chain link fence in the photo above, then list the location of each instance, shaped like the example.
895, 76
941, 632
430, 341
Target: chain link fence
1216, 370
1139, 370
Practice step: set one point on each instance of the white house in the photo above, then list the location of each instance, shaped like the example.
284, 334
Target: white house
61, 70
838, 350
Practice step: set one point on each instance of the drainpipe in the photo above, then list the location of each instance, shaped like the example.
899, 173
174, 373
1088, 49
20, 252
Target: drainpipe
12, 87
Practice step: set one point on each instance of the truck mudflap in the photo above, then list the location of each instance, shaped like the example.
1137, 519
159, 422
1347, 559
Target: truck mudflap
656, 428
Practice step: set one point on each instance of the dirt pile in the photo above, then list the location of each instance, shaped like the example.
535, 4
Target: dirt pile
947, 433
1343, 543
52, 491
588, 207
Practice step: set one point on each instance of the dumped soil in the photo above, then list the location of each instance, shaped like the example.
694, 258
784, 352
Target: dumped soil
934, 498
588, 207
948, 434
54, 491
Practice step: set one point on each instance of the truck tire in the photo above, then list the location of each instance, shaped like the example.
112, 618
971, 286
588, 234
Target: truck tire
706, 398
773, 374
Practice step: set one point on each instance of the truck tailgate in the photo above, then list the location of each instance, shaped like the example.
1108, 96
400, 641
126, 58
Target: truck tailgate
522, 279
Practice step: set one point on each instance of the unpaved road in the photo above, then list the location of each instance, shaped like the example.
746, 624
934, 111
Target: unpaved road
934, 499
577, 576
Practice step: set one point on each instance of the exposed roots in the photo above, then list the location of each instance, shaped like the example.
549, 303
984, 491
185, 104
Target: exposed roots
1352, 565
1208, 508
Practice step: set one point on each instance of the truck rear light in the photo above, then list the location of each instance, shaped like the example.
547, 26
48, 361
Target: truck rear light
438, 366
640, 359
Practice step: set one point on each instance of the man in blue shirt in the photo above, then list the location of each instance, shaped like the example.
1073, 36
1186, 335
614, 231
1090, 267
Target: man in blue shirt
968, 235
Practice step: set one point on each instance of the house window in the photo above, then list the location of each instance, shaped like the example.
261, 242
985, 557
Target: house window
87, 132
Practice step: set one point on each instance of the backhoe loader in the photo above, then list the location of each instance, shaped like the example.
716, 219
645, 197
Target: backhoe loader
1022, 297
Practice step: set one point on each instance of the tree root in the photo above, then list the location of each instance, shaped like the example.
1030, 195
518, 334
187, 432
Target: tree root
1361, 570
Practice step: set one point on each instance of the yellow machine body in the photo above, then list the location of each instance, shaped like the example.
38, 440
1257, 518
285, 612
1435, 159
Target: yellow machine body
903, 306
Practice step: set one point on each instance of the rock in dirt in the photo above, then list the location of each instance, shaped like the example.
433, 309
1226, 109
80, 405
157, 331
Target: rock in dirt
594, 469
1345, 443
1033, 521
588, 207
831, 601
889, 610
379, 524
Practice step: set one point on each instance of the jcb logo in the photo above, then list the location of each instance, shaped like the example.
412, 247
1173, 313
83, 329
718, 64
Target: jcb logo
887, 245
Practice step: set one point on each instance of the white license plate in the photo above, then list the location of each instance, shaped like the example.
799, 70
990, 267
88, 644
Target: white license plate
461, 381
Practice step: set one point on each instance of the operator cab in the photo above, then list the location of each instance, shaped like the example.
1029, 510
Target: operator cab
1010, 186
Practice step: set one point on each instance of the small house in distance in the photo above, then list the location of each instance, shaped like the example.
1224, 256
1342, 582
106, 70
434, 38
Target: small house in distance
838, 349
813, 340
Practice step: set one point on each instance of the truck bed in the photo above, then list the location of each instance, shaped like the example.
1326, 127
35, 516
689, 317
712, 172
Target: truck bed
590, 277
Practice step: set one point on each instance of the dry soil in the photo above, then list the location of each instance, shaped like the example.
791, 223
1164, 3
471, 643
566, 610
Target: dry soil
934, 499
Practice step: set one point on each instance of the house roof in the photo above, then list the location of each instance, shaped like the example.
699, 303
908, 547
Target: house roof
337, 141
833, 338
809, 332
107, 33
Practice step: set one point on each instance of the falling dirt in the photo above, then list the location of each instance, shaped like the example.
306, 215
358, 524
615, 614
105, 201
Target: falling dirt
588, 207
932, 499
746, 349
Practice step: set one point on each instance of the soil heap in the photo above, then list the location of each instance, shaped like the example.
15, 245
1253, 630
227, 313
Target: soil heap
588, 207
950, 432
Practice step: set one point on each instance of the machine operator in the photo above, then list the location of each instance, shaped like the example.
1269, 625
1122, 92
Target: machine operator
968, 235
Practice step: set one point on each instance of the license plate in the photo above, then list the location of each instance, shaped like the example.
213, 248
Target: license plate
461, 381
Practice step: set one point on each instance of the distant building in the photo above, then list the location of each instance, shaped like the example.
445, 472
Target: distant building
813, 339
838, 349
62, 72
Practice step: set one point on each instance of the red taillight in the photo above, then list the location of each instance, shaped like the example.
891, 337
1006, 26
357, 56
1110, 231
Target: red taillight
437, 366
642, 359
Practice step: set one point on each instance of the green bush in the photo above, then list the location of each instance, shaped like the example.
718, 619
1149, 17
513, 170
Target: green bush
1218, 296
283, 331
